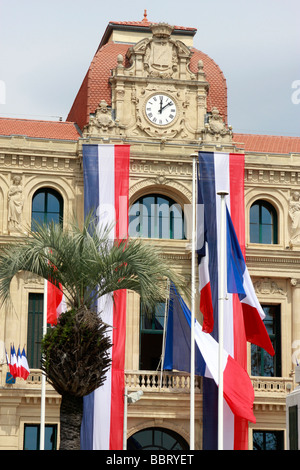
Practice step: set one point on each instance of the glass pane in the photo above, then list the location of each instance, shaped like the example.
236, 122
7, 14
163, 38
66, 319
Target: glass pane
254, 233
38, 218
38, 202
134, 220
266, 217
52, 217
53, 204
266, 234
50, 437
254, 214
177, 222
254, 224
153, 320
31, 437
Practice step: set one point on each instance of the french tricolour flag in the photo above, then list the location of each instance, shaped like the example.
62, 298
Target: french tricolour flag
238, 389
106, 192
224, 172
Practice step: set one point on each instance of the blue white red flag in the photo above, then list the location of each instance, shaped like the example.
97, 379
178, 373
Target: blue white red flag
18, 364
221, 172
238, 389
239, 282
24, 370
106, 192
13, 367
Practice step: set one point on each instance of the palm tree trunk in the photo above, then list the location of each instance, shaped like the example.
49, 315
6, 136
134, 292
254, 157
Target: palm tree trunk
71, 410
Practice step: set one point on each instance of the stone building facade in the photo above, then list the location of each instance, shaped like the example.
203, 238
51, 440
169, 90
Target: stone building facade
42, 160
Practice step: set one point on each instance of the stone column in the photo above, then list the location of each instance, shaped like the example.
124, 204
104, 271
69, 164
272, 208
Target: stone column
295, 283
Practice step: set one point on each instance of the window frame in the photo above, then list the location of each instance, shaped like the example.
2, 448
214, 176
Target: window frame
146, 333
264, 357
263, 204
35, 329
45, 213
37, 428
154, 222
264, 432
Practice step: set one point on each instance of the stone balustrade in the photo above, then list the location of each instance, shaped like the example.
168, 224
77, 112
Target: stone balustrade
157, 381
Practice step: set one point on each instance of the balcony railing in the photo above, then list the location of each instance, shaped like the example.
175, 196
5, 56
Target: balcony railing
272, 385
155, 381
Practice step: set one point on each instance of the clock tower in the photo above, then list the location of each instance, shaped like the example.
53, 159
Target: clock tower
157, 89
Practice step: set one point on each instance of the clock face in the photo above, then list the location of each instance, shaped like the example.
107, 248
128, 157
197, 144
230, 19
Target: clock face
160, 109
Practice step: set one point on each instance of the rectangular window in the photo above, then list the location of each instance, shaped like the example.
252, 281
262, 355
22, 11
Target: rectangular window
268, 440
293, 427
151, 336
35, 329
32, 437
262, 363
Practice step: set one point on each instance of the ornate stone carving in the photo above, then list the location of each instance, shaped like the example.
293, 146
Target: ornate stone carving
267, 286
294, 215
160, 56
15, 205
215, 129
102, 123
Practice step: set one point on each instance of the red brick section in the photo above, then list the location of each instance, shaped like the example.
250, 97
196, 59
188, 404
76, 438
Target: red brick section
267, 143
39, 129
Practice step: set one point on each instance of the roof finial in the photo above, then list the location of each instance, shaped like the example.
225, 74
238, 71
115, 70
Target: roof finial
145, 20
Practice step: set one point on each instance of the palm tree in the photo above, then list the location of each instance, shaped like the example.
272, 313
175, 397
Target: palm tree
87, 264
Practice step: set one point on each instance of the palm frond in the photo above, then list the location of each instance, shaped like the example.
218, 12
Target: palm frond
87, 263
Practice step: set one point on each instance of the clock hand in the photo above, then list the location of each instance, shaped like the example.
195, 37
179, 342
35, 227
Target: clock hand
168, 104
160, 109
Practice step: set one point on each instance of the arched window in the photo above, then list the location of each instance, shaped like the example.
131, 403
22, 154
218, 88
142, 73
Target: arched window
263, 223
155, 216
47, 206
156, 439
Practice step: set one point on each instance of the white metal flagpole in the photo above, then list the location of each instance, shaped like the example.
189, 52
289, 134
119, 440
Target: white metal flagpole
221, 315
43, 390
192, 374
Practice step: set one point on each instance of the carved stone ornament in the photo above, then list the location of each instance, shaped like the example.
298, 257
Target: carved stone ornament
294, 216
102, 123
215, 128
15, 205
161, 56
267, 286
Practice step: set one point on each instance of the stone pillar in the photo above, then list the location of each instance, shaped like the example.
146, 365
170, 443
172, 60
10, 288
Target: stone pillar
295, 283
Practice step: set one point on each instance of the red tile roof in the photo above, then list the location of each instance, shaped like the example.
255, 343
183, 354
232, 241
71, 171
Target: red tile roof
268, 143
39, 129
95, 86
217, 93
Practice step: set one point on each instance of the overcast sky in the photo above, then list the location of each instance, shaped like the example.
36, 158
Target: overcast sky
46, 47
